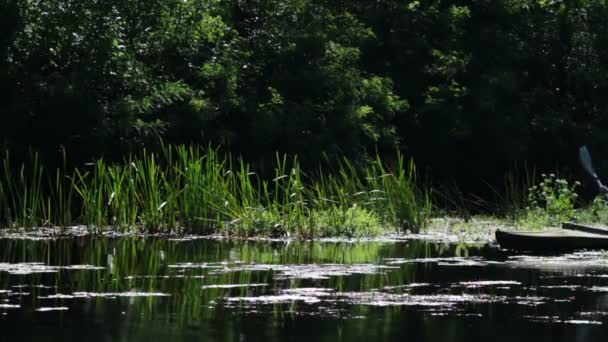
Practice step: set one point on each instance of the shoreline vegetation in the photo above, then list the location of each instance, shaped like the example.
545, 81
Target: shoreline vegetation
188, 189
192, 190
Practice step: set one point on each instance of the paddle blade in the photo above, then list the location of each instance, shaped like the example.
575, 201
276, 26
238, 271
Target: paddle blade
585, 158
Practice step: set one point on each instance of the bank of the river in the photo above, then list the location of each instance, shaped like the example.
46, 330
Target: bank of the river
202, 191
477, 230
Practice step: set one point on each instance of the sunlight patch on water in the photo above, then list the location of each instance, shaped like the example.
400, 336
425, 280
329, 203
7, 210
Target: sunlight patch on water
159, 277
58, 308
310, 291
557, 319
325, 271
37, 267
81, 267
408, 286
63, 296
26, 268
308, 295
593, 313
382, 299
599, 289
565, 262
39, 286
531, 300
581, 321
562, 287
276, 299
445, 301
231, 286
486, 283
187, 265
447, 261
104, 295
120, 294
299, 271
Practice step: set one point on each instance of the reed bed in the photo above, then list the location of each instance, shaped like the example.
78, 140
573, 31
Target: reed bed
188, 189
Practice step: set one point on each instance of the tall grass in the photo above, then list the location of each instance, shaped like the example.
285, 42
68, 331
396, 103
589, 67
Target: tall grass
513, 198
189, 189
31, 196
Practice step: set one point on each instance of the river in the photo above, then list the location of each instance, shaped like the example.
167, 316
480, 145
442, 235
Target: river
148, 289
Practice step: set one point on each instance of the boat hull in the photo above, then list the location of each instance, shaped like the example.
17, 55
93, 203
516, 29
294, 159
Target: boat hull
560, 239
587, 228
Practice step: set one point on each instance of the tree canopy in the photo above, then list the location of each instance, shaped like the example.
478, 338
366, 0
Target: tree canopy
467, 88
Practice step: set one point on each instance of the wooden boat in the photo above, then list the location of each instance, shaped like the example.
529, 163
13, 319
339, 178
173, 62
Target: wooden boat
572, 236
595, 229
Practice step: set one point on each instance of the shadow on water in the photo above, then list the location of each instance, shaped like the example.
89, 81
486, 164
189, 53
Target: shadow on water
154, 289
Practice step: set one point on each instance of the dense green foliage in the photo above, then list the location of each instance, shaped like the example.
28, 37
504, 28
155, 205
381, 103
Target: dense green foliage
186, 189
551, 202
467, 88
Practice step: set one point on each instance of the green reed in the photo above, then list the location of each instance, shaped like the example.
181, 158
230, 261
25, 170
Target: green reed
92, 185
202, 191
60, 195
22, 198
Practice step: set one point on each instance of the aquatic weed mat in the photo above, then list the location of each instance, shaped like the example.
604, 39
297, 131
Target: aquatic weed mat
47, 233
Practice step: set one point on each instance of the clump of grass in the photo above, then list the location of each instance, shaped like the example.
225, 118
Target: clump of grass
201, 191
352, 222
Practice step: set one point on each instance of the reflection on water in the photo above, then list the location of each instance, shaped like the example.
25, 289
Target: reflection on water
141, 289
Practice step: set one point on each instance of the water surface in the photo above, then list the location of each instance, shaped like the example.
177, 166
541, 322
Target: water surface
141, 289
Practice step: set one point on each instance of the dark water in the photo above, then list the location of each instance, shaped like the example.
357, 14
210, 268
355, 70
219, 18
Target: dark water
101, 289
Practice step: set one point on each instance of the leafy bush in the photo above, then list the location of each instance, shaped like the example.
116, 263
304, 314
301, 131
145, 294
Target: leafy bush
551, 202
